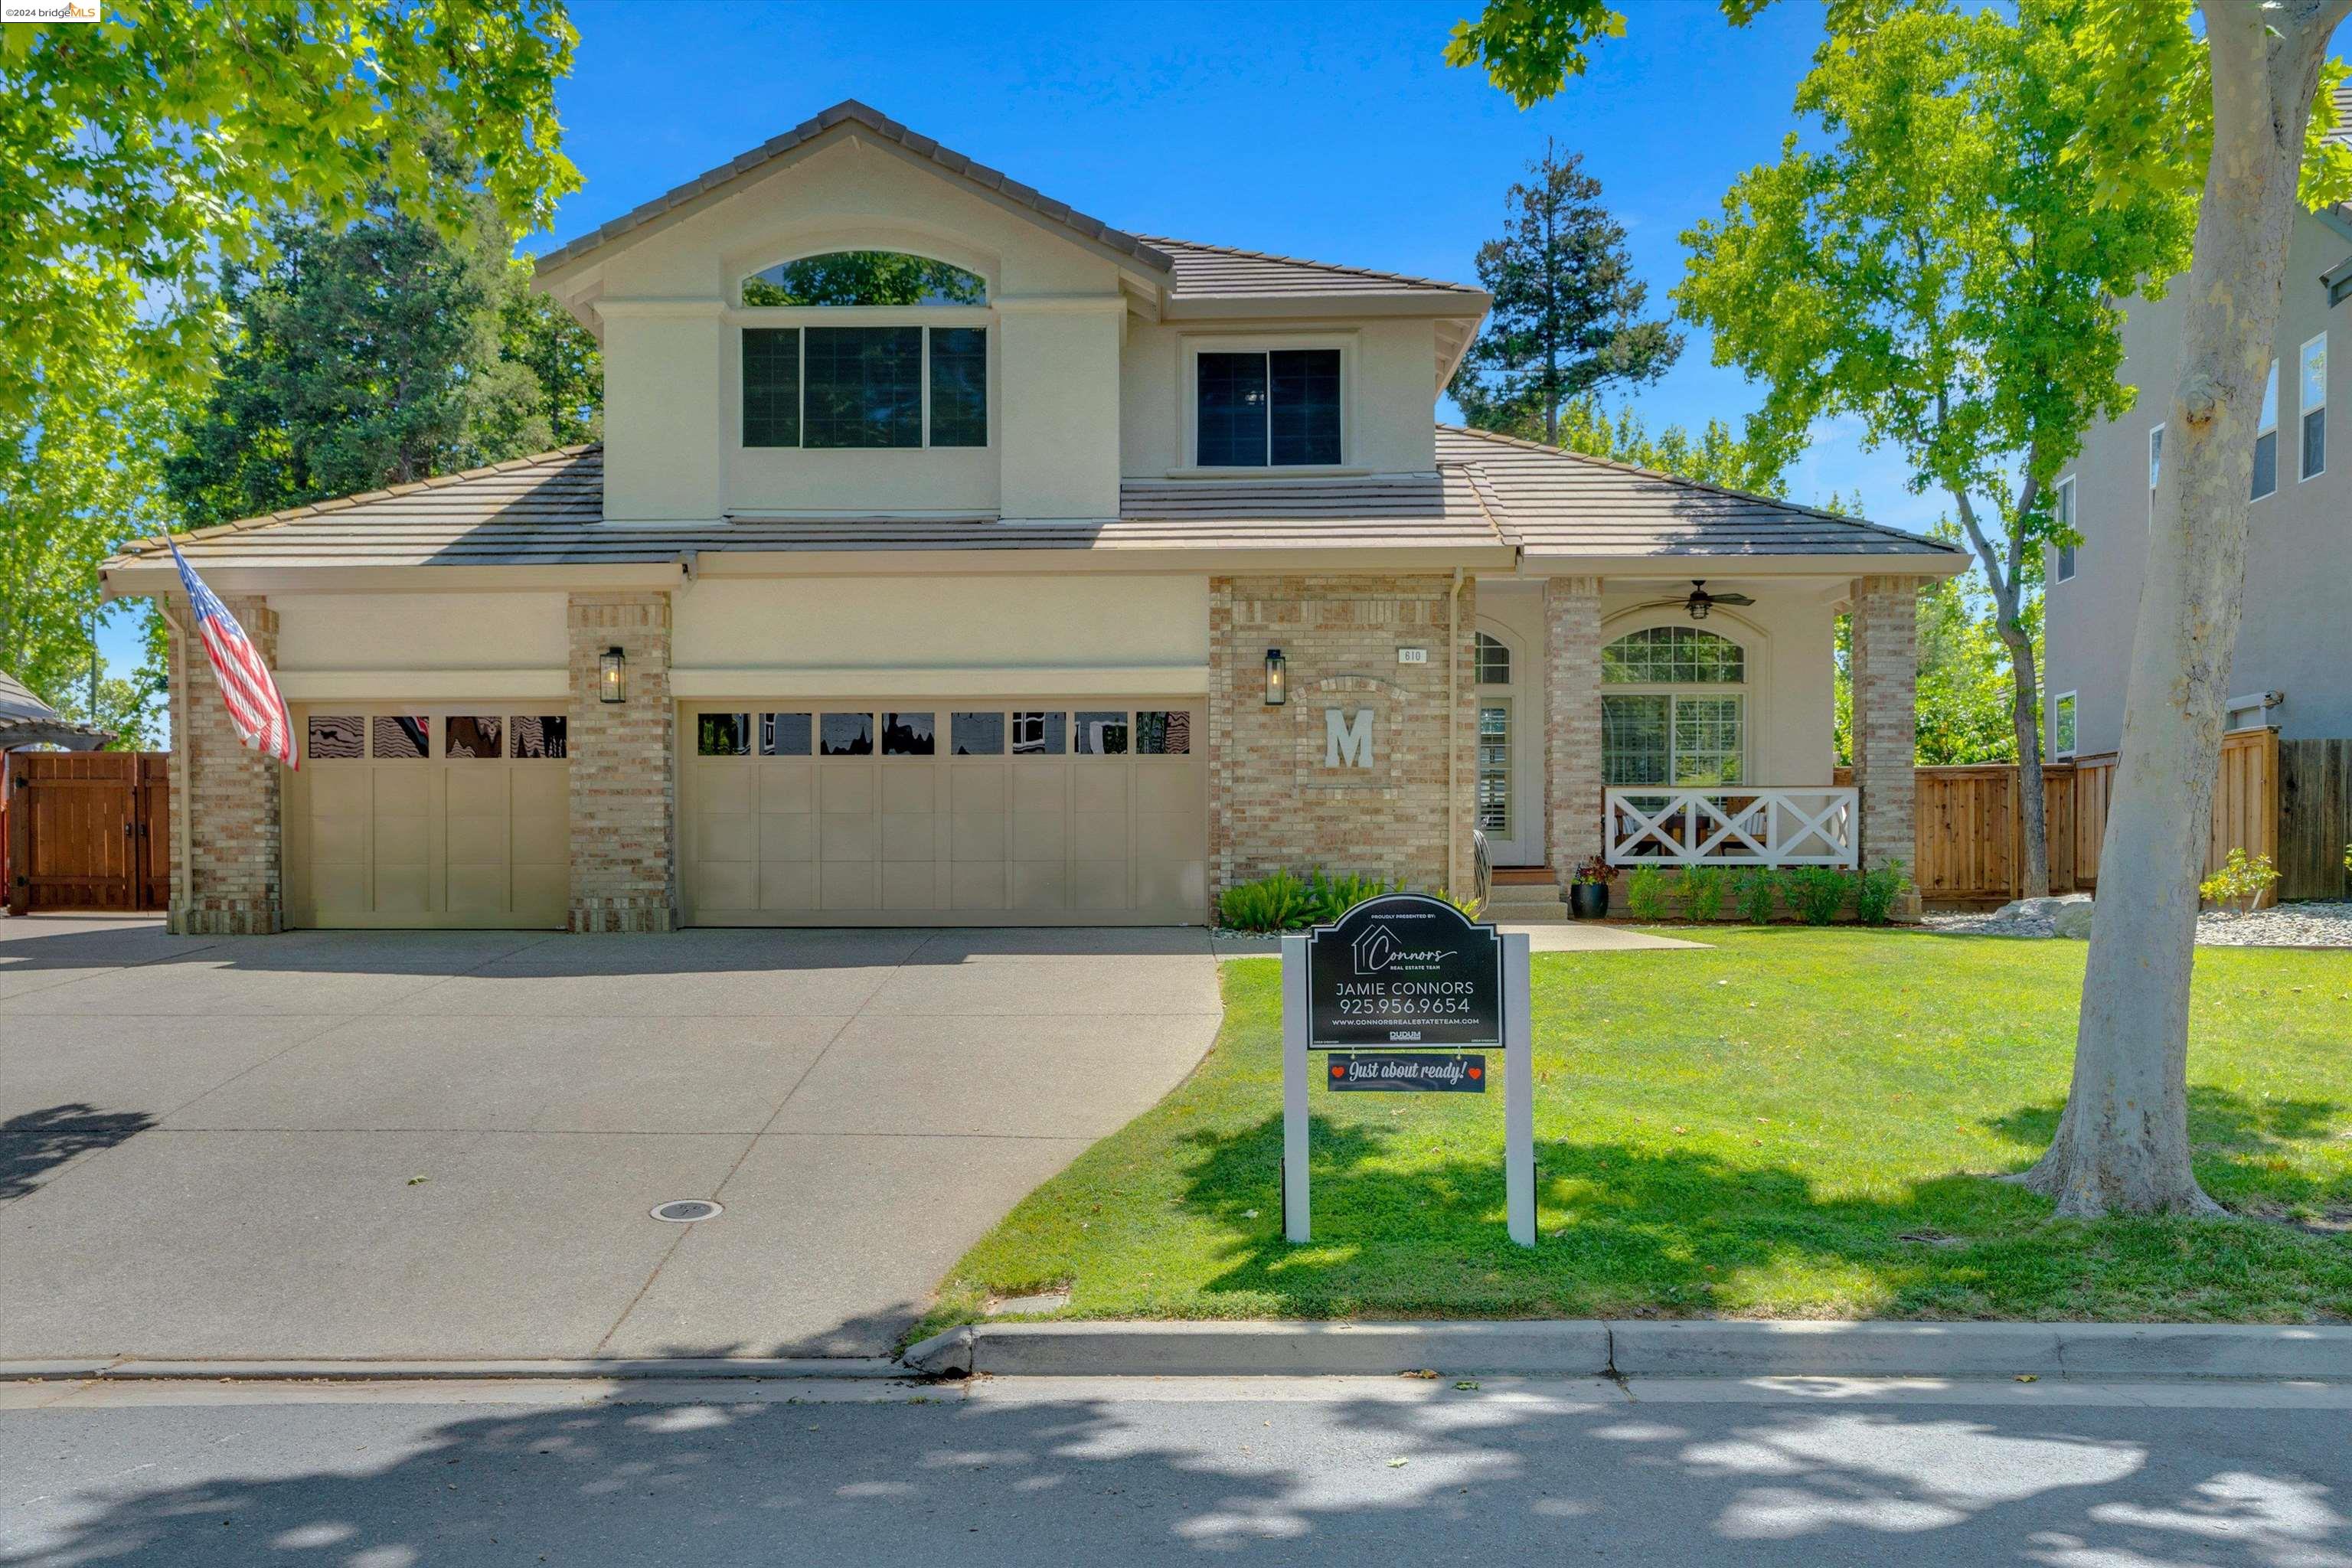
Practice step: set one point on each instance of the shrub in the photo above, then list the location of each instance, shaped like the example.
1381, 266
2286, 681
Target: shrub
1756, 892
1279, 902
2239, 881
1704, 888
1818, 892
1470, 906
1330, 897
1876, 892
1646, 894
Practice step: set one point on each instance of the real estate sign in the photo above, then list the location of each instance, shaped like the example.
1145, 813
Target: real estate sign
1407, 970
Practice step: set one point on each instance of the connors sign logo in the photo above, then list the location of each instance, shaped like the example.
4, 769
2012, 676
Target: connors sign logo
1378, 950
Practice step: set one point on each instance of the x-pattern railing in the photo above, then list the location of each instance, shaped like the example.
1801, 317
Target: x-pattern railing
1739, 824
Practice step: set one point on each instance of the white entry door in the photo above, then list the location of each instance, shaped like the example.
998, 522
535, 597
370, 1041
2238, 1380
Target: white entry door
1510, 766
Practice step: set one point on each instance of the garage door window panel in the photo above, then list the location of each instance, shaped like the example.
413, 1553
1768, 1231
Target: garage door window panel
977, 735
1040, 734
908, 735
723, 735
329, 737
473, 737
1102, 734
399, 738
1163, 732
846, 735
540, 737
785, 734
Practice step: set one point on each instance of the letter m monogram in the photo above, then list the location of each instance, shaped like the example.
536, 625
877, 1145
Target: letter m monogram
1346, 741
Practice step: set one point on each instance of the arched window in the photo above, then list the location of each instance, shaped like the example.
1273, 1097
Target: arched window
846, 385
1491, 659
865, 277
1674, 722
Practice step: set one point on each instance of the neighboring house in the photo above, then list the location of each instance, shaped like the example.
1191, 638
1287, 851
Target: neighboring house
25, 721
1106, 573
2295, 640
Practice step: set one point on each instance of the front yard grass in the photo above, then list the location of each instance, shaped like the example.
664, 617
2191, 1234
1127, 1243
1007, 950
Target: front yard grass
1794, 1123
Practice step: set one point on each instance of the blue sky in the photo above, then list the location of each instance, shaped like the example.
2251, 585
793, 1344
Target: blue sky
1330, 131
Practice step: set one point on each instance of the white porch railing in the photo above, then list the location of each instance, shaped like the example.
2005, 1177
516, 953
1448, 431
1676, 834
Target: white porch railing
1731, 825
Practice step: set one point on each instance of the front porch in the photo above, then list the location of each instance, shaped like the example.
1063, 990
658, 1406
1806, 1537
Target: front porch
1685, 728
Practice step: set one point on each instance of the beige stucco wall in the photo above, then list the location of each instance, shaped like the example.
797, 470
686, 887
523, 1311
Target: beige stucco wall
1386, 374
769, 634
672, 351
420, 644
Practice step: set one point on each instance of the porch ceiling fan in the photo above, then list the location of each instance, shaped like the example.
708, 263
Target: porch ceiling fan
1700, 600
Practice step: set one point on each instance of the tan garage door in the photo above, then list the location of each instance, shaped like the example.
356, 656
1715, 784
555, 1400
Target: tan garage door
428, 814
963, 812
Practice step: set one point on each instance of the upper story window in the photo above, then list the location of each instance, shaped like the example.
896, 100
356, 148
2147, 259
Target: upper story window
2063, 513
1492, 661
2266, 438
886, 385
2062, 724
2314, 407
1279, 408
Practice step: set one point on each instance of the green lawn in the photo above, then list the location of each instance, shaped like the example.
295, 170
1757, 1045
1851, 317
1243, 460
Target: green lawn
1795, 1123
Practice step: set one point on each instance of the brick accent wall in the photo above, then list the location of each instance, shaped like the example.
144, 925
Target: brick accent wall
1886, 722
624, 768
1274, 801
230, 880
1572, 728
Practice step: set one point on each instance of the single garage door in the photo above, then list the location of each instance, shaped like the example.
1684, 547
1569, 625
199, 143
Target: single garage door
964, 812
425, 815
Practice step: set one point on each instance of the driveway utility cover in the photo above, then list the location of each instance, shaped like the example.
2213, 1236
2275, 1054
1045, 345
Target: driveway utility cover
459, 1136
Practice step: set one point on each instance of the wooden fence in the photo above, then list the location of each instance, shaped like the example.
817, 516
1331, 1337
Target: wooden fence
86, 830
1969, 844
2314, 818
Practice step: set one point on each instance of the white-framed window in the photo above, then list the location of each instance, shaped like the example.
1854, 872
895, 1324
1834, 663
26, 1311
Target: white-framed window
2266, 438
2062, 508
2062, 724
1677, 715
2312, 400
2155, 467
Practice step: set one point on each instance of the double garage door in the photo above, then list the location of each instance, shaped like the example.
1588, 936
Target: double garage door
419, 814
1023, 811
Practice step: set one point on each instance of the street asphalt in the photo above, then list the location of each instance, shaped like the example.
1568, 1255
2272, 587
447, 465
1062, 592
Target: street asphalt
1028, 1471
447, 1143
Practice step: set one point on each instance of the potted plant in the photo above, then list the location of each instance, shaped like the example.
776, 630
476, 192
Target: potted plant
1587, 891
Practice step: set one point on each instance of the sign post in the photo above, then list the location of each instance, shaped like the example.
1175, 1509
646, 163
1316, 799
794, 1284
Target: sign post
1396, 973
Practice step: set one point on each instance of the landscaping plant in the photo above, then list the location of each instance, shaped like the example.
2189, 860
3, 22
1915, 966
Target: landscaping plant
1756, 892
1818, 892
1646, 894
2239, 881
1276, 902
1704, 890
1876, 892
1330, 897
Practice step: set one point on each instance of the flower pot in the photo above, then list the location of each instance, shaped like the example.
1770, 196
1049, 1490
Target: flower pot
1588, 900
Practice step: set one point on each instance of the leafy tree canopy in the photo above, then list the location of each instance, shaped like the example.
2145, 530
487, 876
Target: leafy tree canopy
1567, 319
1749, 461
378, 354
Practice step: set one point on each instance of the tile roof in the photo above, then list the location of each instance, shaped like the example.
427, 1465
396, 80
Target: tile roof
1564, 503
1221, 270
26, 721
849, 110
1489, 492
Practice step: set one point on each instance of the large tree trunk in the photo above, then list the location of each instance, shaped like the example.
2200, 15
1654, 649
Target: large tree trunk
2123, 1143
2034, 799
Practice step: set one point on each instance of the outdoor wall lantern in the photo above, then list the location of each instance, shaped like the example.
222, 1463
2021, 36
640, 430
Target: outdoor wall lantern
612, 677
1276, 688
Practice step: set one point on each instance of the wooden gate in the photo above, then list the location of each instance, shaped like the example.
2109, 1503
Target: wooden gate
88, 830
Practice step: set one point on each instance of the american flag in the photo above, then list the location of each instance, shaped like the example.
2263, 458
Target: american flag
254, 706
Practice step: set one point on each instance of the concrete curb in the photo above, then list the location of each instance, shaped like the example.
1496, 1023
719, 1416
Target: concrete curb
125, 1368
1643, 1348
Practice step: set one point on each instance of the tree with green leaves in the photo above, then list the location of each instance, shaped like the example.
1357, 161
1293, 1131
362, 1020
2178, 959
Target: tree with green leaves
1567, 319
144, 156
1935, 266
2227, 113
1965, 687
1750, 461
378, 354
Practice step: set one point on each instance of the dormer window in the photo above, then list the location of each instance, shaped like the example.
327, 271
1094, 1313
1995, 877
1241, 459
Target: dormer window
895, 384
1279, 408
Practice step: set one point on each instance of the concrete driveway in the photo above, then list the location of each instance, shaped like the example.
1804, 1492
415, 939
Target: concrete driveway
446, 1143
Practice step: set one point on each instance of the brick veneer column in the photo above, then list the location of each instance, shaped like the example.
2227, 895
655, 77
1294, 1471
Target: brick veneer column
1885, 719
624, 768
1274, 806
1572, 728
230, 880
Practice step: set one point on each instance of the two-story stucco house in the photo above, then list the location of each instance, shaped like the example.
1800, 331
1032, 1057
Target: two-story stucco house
953, 557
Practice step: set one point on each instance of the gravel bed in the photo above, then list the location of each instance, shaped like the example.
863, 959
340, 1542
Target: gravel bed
2327, 924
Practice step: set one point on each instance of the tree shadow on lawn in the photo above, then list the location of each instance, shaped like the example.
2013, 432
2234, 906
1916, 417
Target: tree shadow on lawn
1628, 1229
2252, 1155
